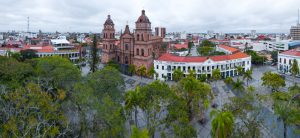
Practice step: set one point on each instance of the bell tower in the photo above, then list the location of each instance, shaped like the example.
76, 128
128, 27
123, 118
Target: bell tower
108, 35
143, 47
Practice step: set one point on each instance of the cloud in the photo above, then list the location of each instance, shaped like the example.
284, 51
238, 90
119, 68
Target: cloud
175, 15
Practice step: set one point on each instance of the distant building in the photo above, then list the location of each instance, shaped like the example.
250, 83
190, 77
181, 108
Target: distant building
285, 60
295, 32
160, 31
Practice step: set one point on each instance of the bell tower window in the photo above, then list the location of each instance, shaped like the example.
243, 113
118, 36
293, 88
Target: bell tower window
137, 51
142, 52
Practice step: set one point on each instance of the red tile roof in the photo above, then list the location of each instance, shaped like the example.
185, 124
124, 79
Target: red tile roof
292, 52
228, 48
174, 58
179, 46
41, 49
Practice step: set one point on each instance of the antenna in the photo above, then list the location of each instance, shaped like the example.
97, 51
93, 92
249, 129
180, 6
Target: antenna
27, 24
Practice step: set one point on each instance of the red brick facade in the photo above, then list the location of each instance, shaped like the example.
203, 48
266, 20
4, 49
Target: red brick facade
137, 48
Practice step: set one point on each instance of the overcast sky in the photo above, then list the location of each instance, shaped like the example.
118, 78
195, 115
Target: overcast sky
175, 15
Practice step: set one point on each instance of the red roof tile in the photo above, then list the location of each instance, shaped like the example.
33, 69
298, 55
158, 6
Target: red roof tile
292, 52
174, 58
228, 48
180, 46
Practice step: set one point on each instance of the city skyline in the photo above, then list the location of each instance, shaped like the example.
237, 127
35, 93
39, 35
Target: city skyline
270, 16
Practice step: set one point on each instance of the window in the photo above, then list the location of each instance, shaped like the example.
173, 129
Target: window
142, 37
138, 37
137, 52
157, 66
142, 52
162, 67
284, 61
183, 68
279, 60
126, 46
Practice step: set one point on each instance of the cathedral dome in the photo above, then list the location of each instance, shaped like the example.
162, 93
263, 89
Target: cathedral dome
108, 21
143, 18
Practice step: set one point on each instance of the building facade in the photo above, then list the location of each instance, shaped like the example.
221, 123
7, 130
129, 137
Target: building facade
295, 32
139, 48
109, 47
285, 60
227, 64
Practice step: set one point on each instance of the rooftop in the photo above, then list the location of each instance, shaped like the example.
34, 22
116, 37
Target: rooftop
174, 58
228, 48
292, 52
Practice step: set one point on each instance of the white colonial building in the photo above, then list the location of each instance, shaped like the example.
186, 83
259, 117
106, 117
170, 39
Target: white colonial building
285, 60
167, 63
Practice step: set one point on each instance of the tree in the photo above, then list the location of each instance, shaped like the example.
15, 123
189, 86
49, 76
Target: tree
202, 78
238, 85
239, 70
30, 112
142, 71
56, 73
247, 111
190, 45
273, 80
228, 81
177, 75
222, 123
295, 68
131, 69
94, 53
247, 75
151, 72
136, 133
207, 43
216, 74
154, 99
13, 73
286, 108
132, 102
274, 56
194, 91
97, 100
28, 54
107, 81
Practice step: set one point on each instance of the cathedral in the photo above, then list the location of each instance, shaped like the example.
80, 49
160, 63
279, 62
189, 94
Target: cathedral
138, 48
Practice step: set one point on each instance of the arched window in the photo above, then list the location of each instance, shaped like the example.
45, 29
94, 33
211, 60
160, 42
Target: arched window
126, 46
138, 37
118, 58
142, 52
137, 51
142, 37
110, 46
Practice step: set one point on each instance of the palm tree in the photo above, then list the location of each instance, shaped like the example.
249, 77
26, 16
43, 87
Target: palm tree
132, 100
151, 72
247, 75
216, 75
177, 75
239, 70
238, 85
222, 123
228, 81
142, 71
